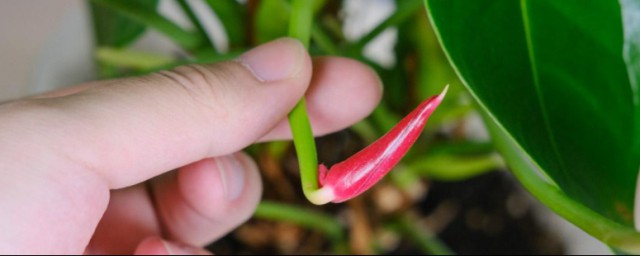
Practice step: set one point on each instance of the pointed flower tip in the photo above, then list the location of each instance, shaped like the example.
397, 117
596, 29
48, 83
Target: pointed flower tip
443, 93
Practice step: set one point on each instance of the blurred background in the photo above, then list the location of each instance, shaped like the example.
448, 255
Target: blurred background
49, 44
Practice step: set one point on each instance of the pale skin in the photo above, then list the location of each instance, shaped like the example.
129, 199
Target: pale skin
151, 165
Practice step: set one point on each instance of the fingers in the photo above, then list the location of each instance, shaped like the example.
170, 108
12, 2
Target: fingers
342, 92
130, 218
158, 246
194, 205
207, 199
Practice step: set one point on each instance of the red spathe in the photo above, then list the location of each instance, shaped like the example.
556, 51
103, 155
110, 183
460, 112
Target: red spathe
361, 171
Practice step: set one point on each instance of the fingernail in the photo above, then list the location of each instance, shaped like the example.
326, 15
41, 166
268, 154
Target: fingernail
231, 176
274, 61
182, 249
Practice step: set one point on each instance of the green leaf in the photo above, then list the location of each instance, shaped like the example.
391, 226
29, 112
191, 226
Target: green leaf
131, 59
149, 17
114, 29
325, 43
233, 17
195, 21
551, 73
308, 218
448, 167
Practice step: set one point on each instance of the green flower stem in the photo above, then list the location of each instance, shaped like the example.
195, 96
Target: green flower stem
305, 149
300, 27
185, 39
301, 22
608, 231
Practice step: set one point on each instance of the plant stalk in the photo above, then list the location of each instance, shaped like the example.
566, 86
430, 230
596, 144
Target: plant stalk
610, 232
300, 27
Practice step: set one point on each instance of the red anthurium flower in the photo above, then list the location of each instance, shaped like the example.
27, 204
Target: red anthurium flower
361, 171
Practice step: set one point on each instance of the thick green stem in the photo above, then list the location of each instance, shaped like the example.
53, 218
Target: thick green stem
524, 168
300, 27
305, 149
301, 22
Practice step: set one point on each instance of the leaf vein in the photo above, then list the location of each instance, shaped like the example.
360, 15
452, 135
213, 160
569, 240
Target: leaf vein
536, 82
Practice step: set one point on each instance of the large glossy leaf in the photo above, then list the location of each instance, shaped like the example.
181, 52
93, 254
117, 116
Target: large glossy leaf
114, 29
551, 74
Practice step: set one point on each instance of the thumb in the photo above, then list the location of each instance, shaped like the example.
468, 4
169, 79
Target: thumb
61, 155
129, 130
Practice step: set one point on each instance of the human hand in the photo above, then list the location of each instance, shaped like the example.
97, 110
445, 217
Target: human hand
89, 169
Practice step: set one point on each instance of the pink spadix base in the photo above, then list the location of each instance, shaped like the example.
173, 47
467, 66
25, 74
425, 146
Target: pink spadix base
361, 171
